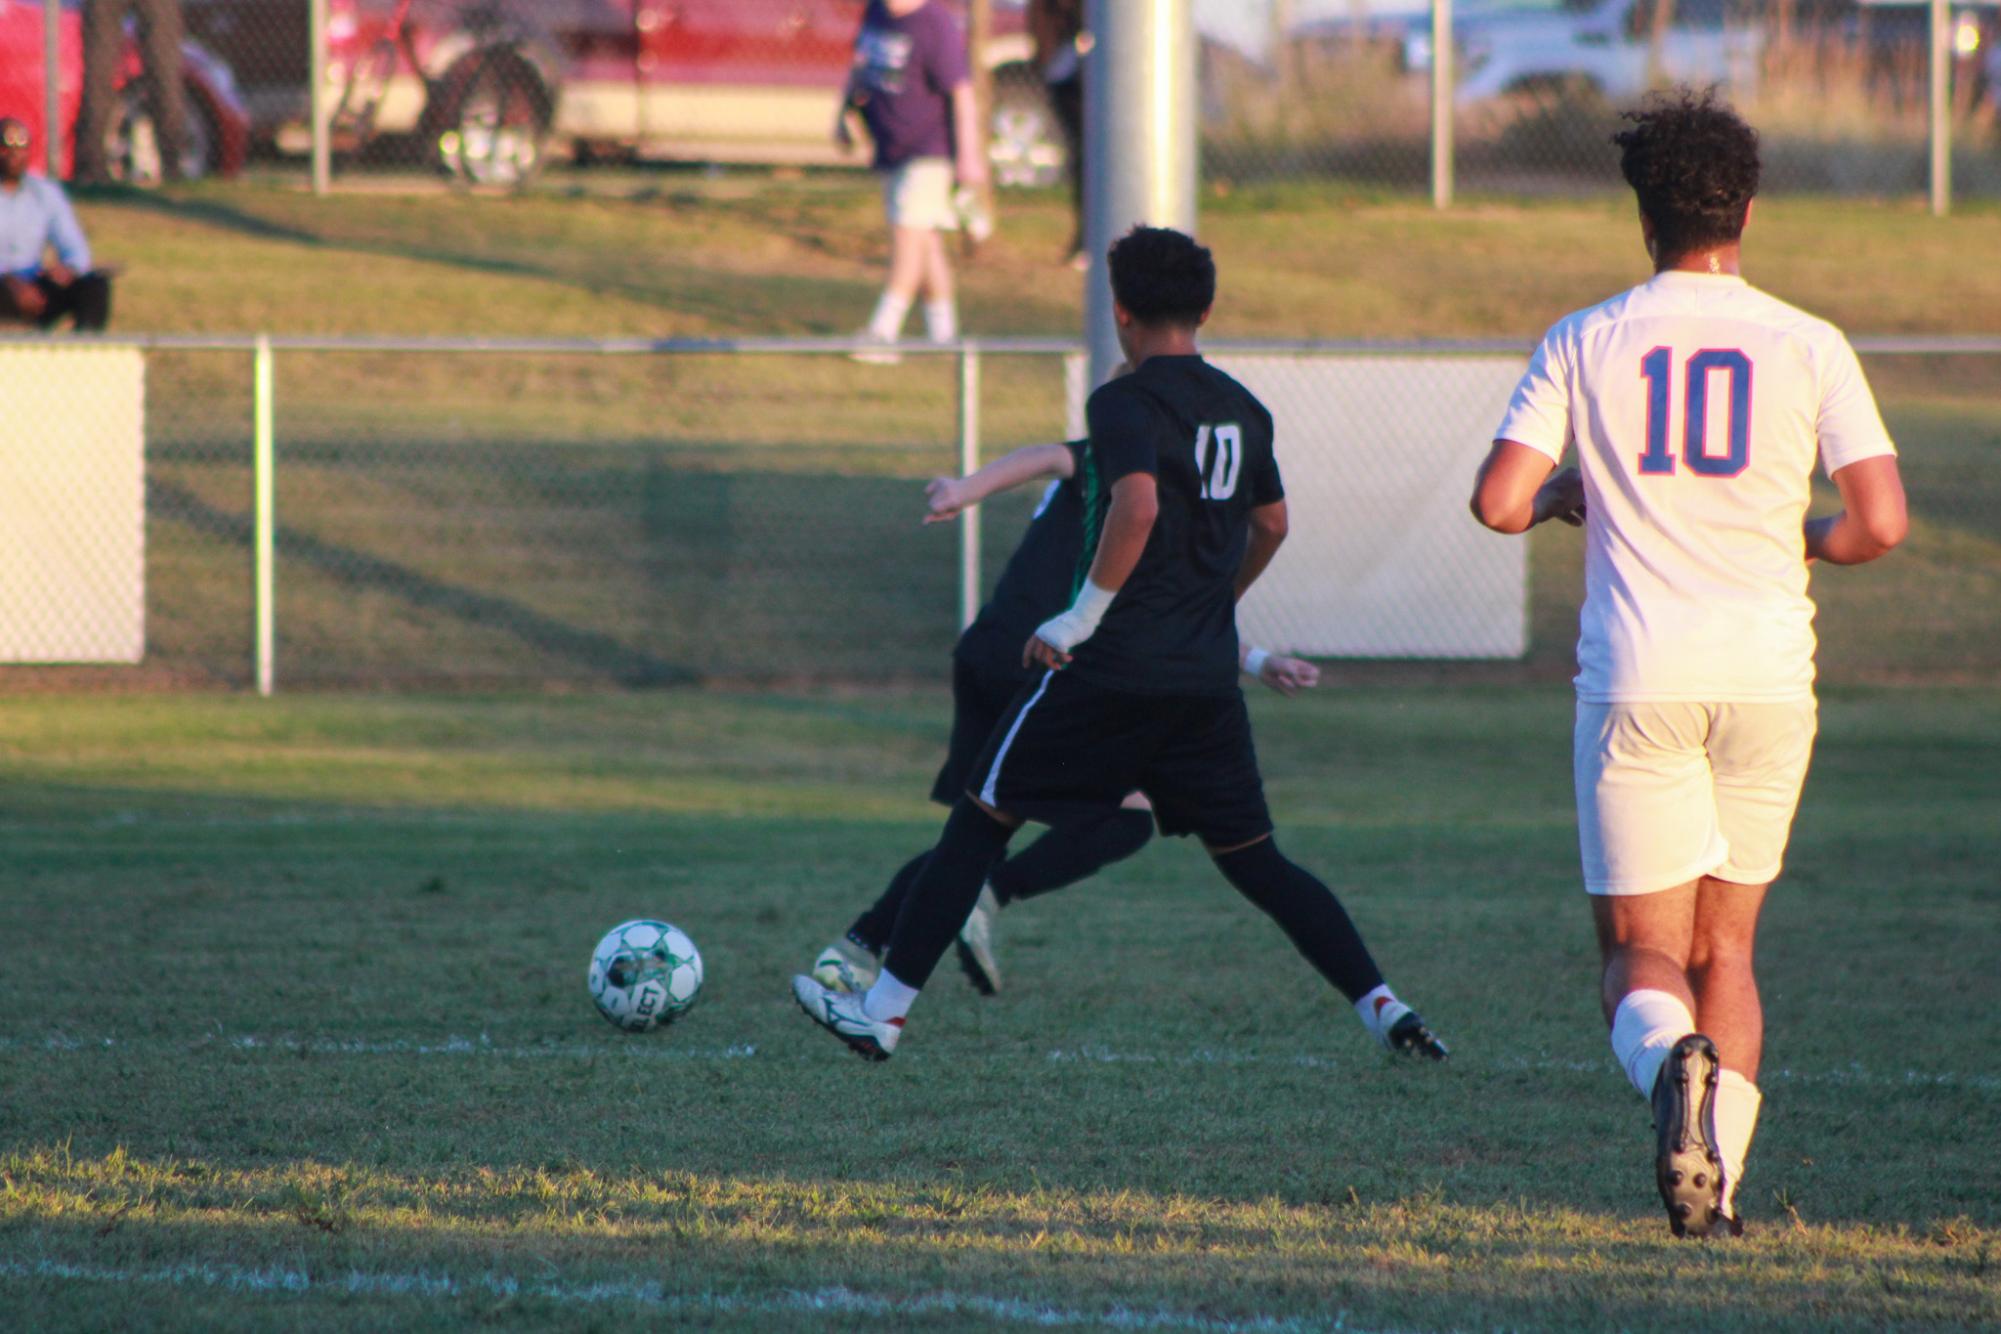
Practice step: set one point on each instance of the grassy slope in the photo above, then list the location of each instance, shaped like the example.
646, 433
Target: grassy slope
686, 256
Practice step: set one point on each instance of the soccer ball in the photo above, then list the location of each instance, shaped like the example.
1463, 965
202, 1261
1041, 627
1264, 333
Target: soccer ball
645, 974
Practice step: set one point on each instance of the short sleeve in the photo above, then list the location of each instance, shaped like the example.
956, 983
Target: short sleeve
1538, 414
1122, 430
946, 59
1848, 426
1266, 488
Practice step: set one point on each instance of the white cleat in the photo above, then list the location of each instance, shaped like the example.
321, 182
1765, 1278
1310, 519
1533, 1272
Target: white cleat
976, 944
846, 966
842, 1015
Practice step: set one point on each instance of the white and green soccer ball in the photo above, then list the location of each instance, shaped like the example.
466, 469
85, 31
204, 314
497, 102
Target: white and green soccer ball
645, 974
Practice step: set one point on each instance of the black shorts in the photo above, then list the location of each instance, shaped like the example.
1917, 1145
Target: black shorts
1069, 751
980, 696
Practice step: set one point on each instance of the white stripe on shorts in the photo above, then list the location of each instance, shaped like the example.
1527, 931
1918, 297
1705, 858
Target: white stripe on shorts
993, 774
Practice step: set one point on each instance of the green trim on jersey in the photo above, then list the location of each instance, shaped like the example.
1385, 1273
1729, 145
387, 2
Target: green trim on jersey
1097, 504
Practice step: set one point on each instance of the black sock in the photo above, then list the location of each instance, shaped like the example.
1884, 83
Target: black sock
871, 930
1309, 913
1065, 856
945, 891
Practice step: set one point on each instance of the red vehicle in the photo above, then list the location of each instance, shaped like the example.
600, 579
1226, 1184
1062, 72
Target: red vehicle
218, 132
488, 88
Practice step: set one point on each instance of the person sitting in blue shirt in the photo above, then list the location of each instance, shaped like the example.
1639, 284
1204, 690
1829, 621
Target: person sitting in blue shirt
35, 217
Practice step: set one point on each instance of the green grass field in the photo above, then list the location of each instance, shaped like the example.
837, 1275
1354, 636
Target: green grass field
296, 1035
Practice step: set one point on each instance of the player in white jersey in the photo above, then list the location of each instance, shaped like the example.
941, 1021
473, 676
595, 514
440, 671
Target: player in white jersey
1698, 407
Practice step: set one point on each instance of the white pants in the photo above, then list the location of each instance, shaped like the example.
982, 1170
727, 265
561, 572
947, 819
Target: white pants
1668, 792
919, 194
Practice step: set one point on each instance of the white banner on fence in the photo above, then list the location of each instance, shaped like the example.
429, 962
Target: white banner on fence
72, 504
1383, 561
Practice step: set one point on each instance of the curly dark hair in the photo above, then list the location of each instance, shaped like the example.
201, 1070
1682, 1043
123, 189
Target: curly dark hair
1162, 276
1694, 164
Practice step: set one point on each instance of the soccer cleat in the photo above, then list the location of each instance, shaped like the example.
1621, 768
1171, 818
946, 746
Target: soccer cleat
846, 966
842, 1015
976, 944
1408, 1036
1688, 1167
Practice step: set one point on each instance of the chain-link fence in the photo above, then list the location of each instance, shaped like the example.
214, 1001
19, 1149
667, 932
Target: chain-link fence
576, 516
490, 91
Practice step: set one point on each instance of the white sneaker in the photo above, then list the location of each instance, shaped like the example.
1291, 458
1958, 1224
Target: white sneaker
876, 350
976, 944
846, 966
842, 1015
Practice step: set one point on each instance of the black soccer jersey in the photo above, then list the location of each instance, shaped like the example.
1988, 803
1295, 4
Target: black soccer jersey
1208, 442
1037, 583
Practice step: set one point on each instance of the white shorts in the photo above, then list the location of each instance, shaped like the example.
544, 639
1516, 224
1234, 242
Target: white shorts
919, 194
1668, 792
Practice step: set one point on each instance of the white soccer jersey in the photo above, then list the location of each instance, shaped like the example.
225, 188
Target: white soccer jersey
1698, 405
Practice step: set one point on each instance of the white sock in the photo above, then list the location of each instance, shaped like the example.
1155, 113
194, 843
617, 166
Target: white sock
889, 999
887, 322
941, 320
1737, 1103
1644, 1026
1379, 1009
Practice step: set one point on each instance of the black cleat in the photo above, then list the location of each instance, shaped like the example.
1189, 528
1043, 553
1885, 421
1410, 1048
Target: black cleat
1688, 1167
1408, 1036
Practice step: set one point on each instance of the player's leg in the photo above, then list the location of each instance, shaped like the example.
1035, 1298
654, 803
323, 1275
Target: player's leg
1760, 754
1647, 832
941, 299
1062, 856
1206, 782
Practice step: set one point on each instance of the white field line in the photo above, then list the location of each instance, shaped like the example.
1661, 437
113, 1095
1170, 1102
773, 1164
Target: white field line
658, 1048
654, 1297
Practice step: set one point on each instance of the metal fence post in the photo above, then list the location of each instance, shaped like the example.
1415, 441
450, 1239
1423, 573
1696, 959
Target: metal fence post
52, 90
316, 95
1941, 107
1441, 103
969, 461
264, 488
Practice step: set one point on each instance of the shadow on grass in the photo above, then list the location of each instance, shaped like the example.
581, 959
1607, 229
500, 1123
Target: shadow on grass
603, 655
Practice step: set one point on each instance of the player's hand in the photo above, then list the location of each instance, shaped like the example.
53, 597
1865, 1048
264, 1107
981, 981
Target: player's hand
1288, 676
28, 298
946, 499
844, 137
1040, 653
1561, 498
60, 274
972, 171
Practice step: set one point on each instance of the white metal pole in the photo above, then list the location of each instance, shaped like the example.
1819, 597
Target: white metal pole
1140, 101
52, 90
316, 97
1441, 103
264, 501
1941, 107
969, 461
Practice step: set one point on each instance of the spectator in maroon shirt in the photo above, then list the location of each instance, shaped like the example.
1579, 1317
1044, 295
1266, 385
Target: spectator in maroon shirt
913, 89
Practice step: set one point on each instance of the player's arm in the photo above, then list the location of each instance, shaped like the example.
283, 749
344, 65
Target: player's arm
1519, 487
1281, 673
947, 496
972, 164
1121, 542
1872, 518
1268, 529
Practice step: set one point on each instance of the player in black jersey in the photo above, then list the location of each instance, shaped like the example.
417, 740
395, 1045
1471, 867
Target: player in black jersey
1183, 510
987, 672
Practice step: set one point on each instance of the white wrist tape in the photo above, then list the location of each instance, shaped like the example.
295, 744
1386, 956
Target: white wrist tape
1254, 661
1076, 625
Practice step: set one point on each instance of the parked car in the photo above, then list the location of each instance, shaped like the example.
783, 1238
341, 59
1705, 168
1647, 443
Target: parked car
218, 130
488, 88
1607, 47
